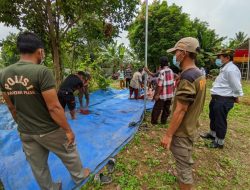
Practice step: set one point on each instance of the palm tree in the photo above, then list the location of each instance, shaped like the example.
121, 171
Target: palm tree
239, 38
113, 55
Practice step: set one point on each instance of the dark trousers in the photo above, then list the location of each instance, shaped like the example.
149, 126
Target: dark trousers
219, 108
127, 82
161, 106
66, 98
133, 91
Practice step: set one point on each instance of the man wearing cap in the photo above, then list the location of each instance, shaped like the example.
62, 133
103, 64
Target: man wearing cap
225, 92
188, 104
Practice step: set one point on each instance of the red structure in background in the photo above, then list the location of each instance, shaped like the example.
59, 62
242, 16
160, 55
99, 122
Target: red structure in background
242, 59
241, 56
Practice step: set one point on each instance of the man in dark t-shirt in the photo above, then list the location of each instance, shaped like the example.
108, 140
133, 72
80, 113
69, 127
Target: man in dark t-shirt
67, 89
29, 91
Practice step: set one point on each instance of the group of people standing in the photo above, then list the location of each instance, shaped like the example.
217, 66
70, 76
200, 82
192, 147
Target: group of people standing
186, 92
29, 91
125, 76
133, 82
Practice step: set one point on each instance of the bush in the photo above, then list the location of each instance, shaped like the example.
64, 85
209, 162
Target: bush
98, 78
214, 72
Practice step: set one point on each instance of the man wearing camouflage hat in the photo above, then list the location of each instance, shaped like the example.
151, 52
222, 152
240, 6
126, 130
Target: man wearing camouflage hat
225, 92
187, 107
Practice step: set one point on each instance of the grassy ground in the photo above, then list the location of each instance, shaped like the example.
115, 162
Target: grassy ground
143, 164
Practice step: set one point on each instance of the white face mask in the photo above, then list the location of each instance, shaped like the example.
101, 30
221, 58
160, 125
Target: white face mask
175, 62
218, 62
42, 62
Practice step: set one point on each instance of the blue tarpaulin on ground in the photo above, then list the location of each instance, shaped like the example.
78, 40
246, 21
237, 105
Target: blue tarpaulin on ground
112, 122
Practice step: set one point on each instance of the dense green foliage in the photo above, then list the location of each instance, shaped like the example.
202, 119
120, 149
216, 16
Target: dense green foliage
9, 53
53, 20
168, 24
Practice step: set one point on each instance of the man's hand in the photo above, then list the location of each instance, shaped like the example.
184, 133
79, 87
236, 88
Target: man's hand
146, 69
166, 141
57, 112
10, 106
237, 100
73, 114
71, 137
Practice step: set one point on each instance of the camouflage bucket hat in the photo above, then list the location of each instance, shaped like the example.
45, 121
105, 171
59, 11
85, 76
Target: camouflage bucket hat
229, 52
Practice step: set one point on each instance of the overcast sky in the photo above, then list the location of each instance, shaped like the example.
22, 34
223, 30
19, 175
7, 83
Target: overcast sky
225, 16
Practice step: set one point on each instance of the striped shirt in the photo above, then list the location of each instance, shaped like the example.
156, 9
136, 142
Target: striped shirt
166, 81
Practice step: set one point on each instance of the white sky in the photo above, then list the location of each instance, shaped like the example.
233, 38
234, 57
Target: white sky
5, 31
225, 16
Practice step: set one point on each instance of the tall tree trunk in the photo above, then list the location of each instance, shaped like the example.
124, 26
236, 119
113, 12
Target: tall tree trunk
54, 38
56, 62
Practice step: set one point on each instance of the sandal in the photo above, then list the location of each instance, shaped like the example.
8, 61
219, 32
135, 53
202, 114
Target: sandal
111, 165
102, 179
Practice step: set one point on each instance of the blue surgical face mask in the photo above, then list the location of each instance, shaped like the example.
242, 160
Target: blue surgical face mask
218, 62
175, 62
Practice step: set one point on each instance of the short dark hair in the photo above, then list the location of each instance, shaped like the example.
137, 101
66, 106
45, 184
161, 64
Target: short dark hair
140, 70
163, 61
28, 42
231, 57
192, 55
81, 73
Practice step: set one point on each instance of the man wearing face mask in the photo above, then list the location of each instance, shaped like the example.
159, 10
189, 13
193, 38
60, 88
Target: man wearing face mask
187, 107
225, 92
29, 91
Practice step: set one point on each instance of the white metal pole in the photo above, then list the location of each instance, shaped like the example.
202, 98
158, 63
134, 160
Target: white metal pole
146, 56
248, 62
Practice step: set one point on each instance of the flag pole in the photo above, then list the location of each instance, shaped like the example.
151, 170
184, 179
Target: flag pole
146, 56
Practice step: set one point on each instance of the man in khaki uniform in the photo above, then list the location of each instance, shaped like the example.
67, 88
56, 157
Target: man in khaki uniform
188, 104
29, 91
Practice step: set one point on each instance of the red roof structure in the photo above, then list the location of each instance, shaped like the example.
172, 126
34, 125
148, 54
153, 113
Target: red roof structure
242, 59
242, 52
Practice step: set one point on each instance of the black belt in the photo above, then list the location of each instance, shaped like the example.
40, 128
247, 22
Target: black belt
227, 98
